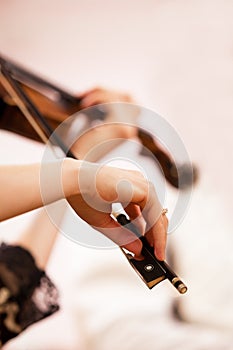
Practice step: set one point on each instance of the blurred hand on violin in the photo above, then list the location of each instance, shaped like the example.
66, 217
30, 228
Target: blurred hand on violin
99, 95
119, 123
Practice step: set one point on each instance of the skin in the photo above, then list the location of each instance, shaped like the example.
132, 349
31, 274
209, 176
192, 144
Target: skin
111, 185
155, 233
116, 125
63, 180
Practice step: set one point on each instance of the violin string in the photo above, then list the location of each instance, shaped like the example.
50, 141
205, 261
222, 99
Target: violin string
30, 111
23, 108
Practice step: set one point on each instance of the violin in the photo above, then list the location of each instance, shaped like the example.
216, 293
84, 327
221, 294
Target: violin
23, 93
56, 105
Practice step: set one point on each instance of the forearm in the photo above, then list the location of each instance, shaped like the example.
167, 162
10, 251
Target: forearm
40, 236
27, 187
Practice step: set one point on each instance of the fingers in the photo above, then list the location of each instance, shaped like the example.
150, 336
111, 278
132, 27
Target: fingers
92, 99
149, 210
121, 236
144, 206
107, 185
156, 224
157, 237
96, 89
100, 95
134, 212
104, 223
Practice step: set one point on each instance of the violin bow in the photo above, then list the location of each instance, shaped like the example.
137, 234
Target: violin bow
150, 269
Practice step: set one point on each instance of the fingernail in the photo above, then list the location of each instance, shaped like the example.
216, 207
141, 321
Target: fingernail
139, 257
160, 255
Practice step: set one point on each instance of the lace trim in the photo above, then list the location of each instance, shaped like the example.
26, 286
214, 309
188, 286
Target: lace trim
27, 295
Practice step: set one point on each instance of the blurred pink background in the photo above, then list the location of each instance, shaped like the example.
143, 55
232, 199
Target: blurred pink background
175, 57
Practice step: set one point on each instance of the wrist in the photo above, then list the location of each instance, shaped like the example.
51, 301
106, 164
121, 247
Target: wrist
69, 178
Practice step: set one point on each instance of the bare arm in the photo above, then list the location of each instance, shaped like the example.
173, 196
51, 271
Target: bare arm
39, 237
21, 189
91, 189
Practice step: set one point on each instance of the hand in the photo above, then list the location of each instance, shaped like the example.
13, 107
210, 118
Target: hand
99, 95
100, 186
119, 123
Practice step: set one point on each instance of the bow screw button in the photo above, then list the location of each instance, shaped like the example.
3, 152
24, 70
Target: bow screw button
149, 267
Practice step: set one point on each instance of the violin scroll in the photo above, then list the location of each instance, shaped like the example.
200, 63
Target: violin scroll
179, 176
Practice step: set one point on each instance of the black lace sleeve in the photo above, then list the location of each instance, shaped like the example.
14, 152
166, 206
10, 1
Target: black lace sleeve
27, 295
